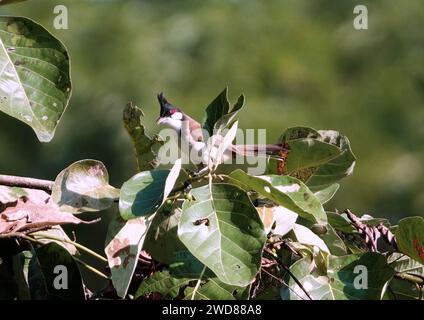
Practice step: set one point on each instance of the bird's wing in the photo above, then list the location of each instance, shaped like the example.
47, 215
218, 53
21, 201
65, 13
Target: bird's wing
196, 131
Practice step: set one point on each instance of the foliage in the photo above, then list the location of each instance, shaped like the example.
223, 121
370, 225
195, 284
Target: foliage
203, 235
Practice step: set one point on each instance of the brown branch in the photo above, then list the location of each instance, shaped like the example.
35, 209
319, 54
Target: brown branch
24, 182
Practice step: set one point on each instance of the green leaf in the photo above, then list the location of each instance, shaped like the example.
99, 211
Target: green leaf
340, 281
399, 289
327, 194
9, 288
215, 110
35, 66
222, 229
336, 169
145, 192
403, 263
48, 272
162, 241
84, 186
36, 283
228, 119
163, 282
318, 158
184, 269
124, 241
340, 222
410, 237
286, 191
224, 143
188, 272
213, 289
333, 241
142, 143
306, 152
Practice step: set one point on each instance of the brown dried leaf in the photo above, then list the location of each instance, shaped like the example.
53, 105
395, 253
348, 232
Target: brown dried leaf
30, 209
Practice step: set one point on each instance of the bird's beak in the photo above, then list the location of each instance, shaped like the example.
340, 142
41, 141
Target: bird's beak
160, 120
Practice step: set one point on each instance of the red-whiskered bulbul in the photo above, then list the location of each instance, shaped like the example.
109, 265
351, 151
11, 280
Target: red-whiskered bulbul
190, 131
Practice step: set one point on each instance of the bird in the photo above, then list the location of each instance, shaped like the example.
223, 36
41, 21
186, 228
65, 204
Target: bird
190, 133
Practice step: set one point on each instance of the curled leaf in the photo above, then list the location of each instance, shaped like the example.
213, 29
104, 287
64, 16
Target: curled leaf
84, 186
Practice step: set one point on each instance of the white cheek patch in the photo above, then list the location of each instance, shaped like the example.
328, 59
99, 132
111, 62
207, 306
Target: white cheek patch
177, 116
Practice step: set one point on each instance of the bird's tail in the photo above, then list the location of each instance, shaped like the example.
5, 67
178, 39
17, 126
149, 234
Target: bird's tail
253, 150
278, 152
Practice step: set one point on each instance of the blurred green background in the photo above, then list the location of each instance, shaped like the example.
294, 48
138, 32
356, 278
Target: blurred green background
298, 63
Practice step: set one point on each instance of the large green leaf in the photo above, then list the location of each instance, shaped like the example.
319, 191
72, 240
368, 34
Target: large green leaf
336, 169
286, 191
145, 192
306, 150
340, 222
327, 194
222, 229
402, 263
410, 237
399, 289
190, 274
402, 289
218, 145
183, 270
162, 241
31, 283
333, 241
84, 186
339, 283
124, 241
228, 119
215, 110
163, 282
318, 158
212, 289
38, 276
35, 77
142, 143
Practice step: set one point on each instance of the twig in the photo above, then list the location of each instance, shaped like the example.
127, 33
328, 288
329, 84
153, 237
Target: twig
24, 182
40, 237
196, 288
77, 245
411, 278
289, 272
281, 281
101, 274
